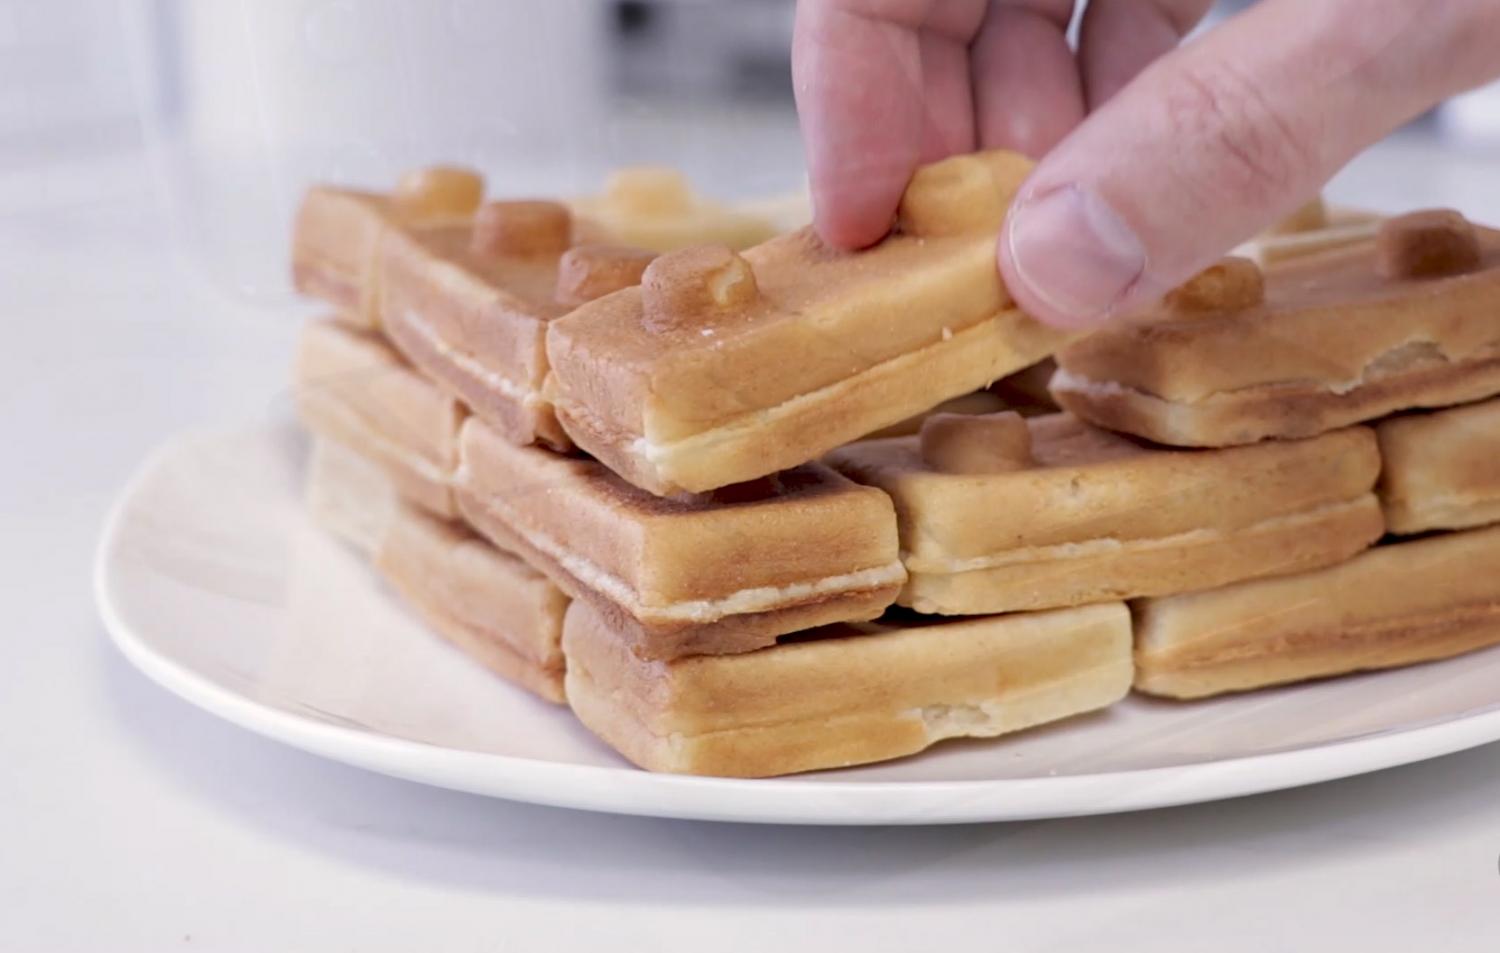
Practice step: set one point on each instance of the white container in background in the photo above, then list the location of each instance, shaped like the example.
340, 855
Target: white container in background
248, 101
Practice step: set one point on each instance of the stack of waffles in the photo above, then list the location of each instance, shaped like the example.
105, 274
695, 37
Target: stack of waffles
749, 505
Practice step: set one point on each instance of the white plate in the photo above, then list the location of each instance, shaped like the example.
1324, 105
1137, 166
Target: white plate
213, 583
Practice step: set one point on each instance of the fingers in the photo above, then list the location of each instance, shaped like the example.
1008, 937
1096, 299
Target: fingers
1119, 38
1027, 94
947, 100
858, 87
1223, 136
880, 85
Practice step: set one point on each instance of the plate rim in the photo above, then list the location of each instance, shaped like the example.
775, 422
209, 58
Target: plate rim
628, 790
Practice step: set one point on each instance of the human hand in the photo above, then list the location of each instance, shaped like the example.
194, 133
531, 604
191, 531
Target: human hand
1155, 160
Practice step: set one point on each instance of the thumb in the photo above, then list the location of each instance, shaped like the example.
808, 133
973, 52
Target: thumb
1222, 137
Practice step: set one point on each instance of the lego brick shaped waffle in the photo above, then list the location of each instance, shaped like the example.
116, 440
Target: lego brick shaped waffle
465, 288
722, 573
352, 388
654, 207
1442, 469
1394, 605
489, 604
721, 367
1408, 319
999, 513
469, 304
337, 234
844, 694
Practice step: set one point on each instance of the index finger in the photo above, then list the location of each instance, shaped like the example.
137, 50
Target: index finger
864, 71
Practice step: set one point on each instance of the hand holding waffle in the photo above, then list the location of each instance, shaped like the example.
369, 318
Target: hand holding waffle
1154, 160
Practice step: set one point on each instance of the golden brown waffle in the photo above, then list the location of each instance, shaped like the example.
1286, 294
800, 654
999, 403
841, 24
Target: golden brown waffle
844, 694
721, 367
465, 288
1442, 469
723, 573
353, 389
490, 604
469, 304
334, 243
999, 514
655, 207
1408, 319
1394, 605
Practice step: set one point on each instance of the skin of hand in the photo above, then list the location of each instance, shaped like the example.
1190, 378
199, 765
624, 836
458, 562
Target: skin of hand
1154, 158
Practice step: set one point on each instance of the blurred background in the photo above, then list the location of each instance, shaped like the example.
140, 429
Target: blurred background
238, 104
225, 109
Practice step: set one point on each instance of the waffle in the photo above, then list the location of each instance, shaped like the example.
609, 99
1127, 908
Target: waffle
654, 207
1442, 469
723, 573
1001, 514
352, 389
1394, 605
491, 605
465, 288
469, 304
721, 368
1410, 319
338, 232
844, 694
333, 250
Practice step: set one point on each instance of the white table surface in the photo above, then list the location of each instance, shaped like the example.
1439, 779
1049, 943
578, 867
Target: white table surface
131, 821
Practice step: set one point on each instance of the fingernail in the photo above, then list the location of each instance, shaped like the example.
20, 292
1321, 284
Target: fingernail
1075, 254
